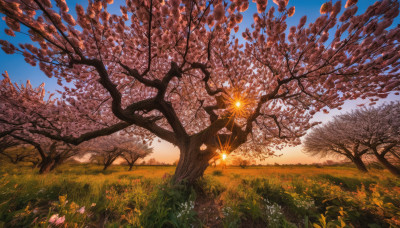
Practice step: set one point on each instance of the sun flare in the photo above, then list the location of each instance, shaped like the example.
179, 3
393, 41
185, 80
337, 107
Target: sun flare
223, 156
238, 104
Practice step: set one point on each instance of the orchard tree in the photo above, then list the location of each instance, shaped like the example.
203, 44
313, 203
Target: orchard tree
7, 142
105, 157
52, 153
378, 130
105, 150
16, 151
24, 110
333, 140
239, 161
365, 131
134, 150
176, 69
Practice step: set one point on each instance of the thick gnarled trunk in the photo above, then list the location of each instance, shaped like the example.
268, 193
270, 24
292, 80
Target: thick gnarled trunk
192, 164
48, 164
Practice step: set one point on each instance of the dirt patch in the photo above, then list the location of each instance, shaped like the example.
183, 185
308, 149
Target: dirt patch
209, 211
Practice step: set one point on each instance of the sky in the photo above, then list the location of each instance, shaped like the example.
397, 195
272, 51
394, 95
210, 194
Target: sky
20, 71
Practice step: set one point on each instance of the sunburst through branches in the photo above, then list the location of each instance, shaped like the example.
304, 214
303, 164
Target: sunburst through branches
239, 103
223, 156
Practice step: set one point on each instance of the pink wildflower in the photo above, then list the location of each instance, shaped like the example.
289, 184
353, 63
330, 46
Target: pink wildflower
81, 210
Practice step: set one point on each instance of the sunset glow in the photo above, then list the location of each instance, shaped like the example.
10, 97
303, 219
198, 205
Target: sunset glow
238, 104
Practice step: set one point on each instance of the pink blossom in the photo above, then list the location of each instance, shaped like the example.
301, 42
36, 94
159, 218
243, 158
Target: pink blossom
81, 210
60, 221
219, 12
54, 218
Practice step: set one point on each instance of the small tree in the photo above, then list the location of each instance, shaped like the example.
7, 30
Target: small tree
378, 130
134, 150
20, 153
332, 140
105, 157
239, 161
152, 161
52, 152
6, 143
105, 150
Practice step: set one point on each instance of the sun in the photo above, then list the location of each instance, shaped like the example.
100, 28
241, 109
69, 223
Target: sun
238, 104
223, 156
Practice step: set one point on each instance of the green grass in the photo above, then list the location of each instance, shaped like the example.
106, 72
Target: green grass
285, 196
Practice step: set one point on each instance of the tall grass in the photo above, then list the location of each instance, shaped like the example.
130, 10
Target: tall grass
83, 195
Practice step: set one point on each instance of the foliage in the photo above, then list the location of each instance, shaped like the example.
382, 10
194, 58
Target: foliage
170, 206
82, 195
217, 173
210, 186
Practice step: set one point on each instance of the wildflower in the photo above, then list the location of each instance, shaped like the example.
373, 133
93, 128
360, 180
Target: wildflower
93, 205
53, 218
81, 210
60, 221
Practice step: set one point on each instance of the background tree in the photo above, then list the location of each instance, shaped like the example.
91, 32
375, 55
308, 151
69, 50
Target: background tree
6, 143
105, 150
105, 157
24, 110
239, 161
134, 150
175, 70
332, 140
15, 151
365, 131
378, 130
152, 161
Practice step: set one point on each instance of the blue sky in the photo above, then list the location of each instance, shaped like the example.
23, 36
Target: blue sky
20, 71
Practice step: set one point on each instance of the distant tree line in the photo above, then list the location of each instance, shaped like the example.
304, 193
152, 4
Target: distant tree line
365, 133
48, 154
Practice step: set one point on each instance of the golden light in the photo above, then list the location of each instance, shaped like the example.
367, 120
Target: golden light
223, 157
238, 104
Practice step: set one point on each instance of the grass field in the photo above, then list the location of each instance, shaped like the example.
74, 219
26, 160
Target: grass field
275, 196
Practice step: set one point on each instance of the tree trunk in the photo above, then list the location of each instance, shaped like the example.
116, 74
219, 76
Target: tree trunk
360, 164
130, 167
106, 166
191, 165
47, 164
393, 169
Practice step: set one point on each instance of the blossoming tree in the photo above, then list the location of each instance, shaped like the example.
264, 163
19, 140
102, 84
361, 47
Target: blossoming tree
16, 151
378, 130
24, 110
176, 68
333, 140
134, 150
366, 131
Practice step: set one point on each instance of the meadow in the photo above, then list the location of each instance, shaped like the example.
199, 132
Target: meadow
81, 195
